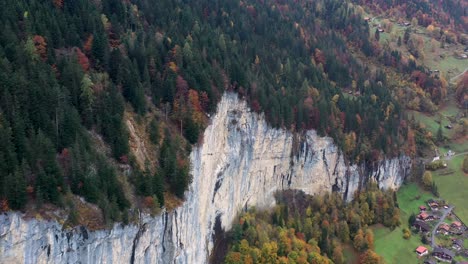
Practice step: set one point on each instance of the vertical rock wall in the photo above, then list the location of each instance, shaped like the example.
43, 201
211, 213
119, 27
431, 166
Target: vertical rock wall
241, 163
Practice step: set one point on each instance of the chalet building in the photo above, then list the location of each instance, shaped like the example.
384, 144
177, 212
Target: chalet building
422, 251
434, 206
443, 254
430, 261
425, 216
456, 224
421, 226
457, 244
422, 208
444, 228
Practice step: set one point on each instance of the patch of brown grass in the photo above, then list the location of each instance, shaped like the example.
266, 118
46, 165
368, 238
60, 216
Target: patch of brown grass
172, 201
89, 215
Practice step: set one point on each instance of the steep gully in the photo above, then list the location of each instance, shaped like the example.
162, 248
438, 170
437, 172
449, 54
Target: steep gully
241, 163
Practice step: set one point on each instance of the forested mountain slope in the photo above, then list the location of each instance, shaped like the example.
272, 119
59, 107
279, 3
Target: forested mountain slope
71, 70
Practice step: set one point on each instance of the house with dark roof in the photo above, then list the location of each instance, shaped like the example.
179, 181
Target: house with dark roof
433, 204
457, 244
443, 254
443, 228
430, 261
421, 226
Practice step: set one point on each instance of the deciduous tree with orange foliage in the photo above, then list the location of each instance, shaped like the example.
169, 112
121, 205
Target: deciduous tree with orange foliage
370, 257
411, 143
319, 57
461, 92
58, 3
88, 44
82, 59
198, 115
41, 46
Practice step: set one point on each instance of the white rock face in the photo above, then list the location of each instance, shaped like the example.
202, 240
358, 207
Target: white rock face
241, 163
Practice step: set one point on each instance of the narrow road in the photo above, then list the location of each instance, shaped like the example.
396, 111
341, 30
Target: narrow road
443, 157
463, 153
447, 211
459, 75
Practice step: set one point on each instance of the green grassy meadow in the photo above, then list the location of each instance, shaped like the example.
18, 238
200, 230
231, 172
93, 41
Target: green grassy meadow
454, 187
390, 244
393, 248
452, 182
434, 57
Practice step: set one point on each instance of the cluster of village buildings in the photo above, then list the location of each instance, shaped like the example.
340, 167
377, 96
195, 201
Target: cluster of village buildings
428, 223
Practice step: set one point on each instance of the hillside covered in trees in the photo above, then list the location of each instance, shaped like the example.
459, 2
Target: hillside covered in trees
304, 229
449, 14
71, 72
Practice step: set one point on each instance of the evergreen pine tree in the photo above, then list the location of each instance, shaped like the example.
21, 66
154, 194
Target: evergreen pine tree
440, 136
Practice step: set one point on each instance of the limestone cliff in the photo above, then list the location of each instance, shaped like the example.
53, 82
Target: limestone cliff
241, 163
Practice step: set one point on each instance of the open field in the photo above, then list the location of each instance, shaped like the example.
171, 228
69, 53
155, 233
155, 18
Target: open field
452, 182
446, 115
390, 244
431, 122
435, 57
393, 248
409, 198
453, 187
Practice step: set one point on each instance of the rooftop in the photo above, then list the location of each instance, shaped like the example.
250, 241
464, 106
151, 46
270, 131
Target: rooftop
421, 249
422, 225
458, 242
444, 251
423, 215
444, 226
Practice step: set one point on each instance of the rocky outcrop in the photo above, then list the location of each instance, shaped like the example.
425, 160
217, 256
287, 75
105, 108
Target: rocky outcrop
241, 163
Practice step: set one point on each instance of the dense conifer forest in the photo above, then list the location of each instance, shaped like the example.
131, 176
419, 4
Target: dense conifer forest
72, 71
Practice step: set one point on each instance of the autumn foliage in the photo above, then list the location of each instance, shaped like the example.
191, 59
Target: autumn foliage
88, 44
4, 205
319, 57
58, 3
41, 46
461, 92
149, 202
82, 59
304, 229
195, 100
